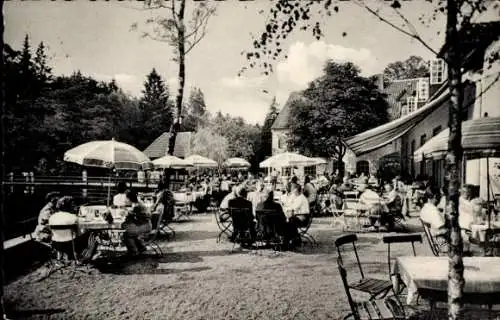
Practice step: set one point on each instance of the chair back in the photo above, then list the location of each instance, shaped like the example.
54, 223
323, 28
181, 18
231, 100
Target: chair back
64, 230
343, 276
305, 227
340, 242
269, 221
156, 228
406, 238
239, 217
430, 238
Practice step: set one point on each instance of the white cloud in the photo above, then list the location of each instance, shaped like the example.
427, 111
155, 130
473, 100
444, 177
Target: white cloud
129, 83
306, 62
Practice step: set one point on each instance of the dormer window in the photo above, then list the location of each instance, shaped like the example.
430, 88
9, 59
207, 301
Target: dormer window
423, 89
438, 71
411, 104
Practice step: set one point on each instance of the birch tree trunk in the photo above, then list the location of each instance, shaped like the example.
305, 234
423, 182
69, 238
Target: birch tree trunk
453, 160
181, 48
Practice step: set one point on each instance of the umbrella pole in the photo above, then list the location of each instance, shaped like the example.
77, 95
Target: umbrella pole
488, 190
109, 189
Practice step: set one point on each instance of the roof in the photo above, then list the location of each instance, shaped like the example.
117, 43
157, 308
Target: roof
397, 91
382, 135
281, 121
159, 147
480, 138
479, 36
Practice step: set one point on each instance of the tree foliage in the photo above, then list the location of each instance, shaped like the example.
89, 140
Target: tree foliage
195, 111
209, 143
155, 108
339, 104
413, 67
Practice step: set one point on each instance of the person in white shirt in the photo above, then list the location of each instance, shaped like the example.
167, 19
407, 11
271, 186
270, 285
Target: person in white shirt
62, 237
465, 210
257, 196
120, 199
297, 212
430, 212
225, 202
368, 197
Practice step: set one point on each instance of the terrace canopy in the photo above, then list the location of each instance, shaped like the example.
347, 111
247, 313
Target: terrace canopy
382, 135
480, 139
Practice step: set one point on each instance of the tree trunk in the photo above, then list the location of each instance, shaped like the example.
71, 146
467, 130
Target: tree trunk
181, 32
2, 172
453, 159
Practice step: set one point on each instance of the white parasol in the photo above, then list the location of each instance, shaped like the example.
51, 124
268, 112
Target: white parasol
171, 162
287, 159
201, 162
237, 163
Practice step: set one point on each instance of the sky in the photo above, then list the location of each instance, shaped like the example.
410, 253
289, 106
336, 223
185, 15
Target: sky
95, 38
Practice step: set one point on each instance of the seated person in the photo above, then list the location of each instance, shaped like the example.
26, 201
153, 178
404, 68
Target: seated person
225, 202
120, 199
65, 215
328, 210
257, 196
241, 202
430, 214
42, 230
297, 212
367, 197
346, 185
392, 201
137, 225
270, 206
465, 210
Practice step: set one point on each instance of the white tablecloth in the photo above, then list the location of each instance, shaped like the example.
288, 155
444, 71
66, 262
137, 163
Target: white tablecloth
482, 274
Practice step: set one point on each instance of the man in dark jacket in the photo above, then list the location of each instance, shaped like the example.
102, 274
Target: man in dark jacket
277, 223
240, 202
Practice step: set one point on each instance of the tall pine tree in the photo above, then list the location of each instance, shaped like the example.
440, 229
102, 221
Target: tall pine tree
266, 134
156, 108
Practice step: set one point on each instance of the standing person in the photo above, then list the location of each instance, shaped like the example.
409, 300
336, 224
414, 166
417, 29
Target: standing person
310, 193
274, 178
137, 225
42, 230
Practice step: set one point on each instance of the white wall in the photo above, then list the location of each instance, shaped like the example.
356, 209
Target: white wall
276, 136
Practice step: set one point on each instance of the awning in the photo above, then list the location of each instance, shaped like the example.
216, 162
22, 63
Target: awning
480, 139
382, 135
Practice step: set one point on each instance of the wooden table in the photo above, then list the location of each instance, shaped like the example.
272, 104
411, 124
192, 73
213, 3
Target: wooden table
428, 276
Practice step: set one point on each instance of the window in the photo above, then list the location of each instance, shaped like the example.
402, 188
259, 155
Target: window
436, 130
423, 139
363, 166
423, 89
411, 104
412, 150
438, 71
310, 171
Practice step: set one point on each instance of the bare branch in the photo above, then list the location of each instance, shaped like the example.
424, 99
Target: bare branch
409, 34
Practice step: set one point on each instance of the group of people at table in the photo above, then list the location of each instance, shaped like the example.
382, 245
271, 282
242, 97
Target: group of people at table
60, 225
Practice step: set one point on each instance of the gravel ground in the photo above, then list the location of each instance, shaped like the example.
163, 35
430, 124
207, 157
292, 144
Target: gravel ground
200, 279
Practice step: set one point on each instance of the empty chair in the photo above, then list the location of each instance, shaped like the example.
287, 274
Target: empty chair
406, 238
382, 308
374, 287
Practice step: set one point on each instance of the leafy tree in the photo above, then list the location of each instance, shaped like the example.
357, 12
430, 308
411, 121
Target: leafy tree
413, 67
339, 104
266, 134
155, 107
208, 143
195, 112
181, 35
287, 16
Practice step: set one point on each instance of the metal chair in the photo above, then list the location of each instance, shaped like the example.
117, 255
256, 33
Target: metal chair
436, 247
242, 225
382, 308
407, 238
304, 229
374, 287
153, 235
268, 231
224, 222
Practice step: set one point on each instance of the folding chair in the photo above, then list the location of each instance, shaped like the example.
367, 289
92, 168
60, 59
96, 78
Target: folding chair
437, 248
304, 229
374, 287
407, 238
372, 309
153, 235
268, 227
61, 249
224, 222
241, 226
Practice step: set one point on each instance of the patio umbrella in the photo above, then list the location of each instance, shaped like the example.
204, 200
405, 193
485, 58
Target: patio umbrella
201, 162
172, 162
237, 163
287, 159
109, 154
319, 161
